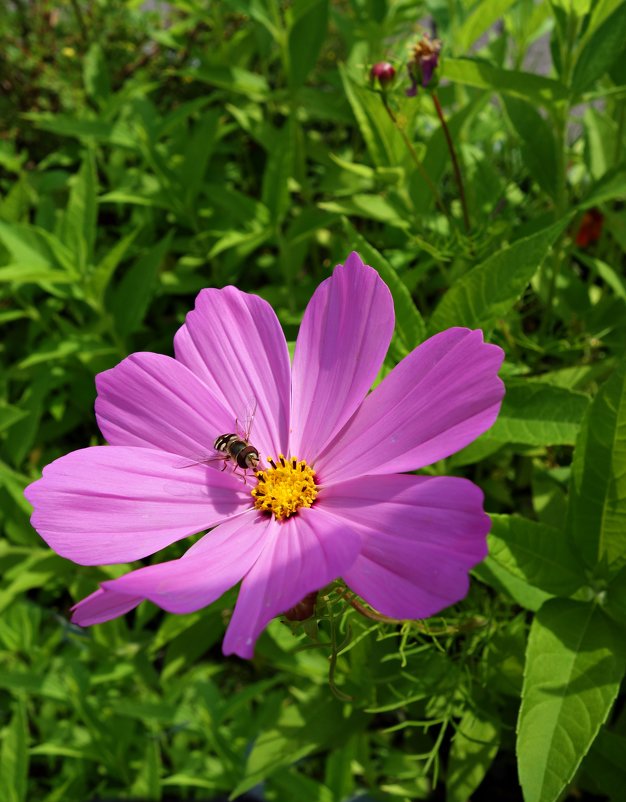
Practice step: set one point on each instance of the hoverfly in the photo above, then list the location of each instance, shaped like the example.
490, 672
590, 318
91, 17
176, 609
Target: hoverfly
235, 447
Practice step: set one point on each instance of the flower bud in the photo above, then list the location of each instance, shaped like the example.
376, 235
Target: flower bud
383, 72
423, 63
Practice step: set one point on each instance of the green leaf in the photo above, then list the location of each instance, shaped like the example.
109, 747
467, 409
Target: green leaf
490, 289
102, 274
275, 194
199, 147
574, 666
21, 436
291, 784
536, 141
533, 88
134, 292
14, 757
609, 274
508, 584
78, 226
85, 129
147, 784
9, 415
21, 274
540, 555
539, 414
234, 79
605, 764
34, 247
410, 328
610, 186
369, 207
306, 37
600, 51
383, 141
338, 775
301, 729
96, 75
474, 746
596, 519
482, 17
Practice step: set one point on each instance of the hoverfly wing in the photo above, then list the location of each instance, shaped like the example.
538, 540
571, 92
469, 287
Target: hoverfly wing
200, 460
248, 420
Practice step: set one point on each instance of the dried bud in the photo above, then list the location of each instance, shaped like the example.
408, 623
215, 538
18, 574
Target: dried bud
423, 63
304, 609
383, 72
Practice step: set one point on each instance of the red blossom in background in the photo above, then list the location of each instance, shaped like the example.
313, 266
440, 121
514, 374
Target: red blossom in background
590, 228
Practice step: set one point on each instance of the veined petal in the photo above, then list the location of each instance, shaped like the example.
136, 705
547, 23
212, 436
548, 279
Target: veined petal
210, 567
102, 606
114, 504
341, 346
438, 399
234, 343
152, 400
301, 554
420, 534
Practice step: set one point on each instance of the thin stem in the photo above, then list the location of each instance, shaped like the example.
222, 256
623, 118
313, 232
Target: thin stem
419, 625
455, 161
420, 167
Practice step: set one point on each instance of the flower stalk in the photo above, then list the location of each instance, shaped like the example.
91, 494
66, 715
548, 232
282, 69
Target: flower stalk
415, 158
455, 161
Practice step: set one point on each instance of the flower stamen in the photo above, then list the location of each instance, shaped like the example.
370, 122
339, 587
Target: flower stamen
285, 487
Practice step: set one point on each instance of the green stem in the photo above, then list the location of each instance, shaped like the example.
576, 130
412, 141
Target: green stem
455, 160
420, 167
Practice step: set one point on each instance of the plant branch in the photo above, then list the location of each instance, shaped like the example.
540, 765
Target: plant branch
455, 161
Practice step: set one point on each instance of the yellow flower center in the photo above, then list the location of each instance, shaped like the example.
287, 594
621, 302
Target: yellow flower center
285, 487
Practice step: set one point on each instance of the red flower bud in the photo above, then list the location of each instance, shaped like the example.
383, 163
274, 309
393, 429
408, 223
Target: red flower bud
383, 72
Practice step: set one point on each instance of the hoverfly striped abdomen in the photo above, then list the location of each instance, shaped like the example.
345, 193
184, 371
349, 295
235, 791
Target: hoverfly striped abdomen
238, 450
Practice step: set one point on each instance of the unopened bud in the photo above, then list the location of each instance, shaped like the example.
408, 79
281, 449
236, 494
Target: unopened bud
383, 72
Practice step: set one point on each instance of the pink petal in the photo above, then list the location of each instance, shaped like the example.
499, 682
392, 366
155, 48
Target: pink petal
113, 504
438, 399
341, 346
102, 606
152, 400
234, 343
210, 567
421, 535
302, 554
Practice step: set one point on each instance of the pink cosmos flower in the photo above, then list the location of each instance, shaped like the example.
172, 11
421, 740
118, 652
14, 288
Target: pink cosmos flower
338, 505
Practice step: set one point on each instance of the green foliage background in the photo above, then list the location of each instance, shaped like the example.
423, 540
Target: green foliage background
146, 154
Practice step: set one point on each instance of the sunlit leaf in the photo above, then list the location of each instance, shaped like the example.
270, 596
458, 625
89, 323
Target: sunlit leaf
597, 509
537, 413
574, 665
491, 288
